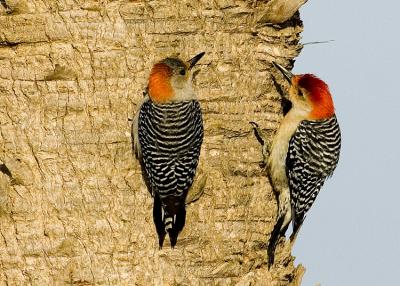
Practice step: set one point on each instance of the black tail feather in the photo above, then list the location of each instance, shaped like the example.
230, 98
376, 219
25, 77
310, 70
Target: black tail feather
297, 223
157, 217
273, 241
177, 226
168, 224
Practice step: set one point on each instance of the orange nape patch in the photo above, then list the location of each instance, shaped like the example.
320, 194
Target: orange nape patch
160, 89
319, 96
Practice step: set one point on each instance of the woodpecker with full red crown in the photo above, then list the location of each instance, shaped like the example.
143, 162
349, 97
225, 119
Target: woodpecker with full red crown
167, 135
303, 154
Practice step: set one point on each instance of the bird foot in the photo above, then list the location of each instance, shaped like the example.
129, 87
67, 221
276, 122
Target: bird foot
197, 189
261, 138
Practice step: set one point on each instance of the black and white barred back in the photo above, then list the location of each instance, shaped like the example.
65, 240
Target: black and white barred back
170, 137
313, 155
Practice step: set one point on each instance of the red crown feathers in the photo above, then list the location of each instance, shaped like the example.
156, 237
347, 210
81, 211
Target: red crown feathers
319, 96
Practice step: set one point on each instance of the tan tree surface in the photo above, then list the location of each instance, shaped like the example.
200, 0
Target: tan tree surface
73, 206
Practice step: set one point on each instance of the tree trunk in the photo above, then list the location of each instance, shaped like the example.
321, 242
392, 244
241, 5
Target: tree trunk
73, 206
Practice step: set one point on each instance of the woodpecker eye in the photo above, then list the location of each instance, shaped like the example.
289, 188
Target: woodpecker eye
301, 93
182, 72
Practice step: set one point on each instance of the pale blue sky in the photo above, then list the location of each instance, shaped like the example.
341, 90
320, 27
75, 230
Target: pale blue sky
351, 236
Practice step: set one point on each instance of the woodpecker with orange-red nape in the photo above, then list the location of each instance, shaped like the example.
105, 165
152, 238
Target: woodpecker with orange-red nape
303, 154
167, 135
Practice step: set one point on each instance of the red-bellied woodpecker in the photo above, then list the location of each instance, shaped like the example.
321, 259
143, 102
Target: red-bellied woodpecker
303, 154
167, 135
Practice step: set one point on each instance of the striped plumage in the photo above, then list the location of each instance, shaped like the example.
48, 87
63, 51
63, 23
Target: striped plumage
167, 133
170, 137
303, 154
312, 157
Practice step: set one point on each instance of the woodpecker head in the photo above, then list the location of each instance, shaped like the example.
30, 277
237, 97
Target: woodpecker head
171, 80
309, 95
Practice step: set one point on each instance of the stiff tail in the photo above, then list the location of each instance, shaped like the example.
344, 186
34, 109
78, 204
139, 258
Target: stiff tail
158, 220
273, 241
178, 222
167, 223
278, 231
297, 222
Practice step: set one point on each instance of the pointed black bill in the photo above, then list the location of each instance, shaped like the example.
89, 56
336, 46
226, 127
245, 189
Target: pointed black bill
288, 75
192, 62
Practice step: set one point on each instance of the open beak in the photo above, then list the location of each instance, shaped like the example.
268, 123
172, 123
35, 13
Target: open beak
195, 59
288, 75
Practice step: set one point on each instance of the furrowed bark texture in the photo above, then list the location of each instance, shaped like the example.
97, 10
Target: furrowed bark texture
73, 206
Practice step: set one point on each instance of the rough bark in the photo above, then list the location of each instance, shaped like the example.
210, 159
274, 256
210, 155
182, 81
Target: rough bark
73, 206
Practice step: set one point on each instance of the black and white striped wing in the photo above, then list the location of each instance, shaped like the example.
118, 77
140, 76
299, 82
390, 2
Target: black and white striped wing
170, 138
312, 157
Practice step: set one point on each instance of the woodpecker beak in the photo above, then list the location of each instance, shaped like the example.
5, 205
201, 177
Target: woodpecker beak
288, 75
195, 59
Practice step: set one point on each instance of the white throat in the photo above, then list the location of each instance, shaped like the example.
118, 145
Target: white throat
183, 90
